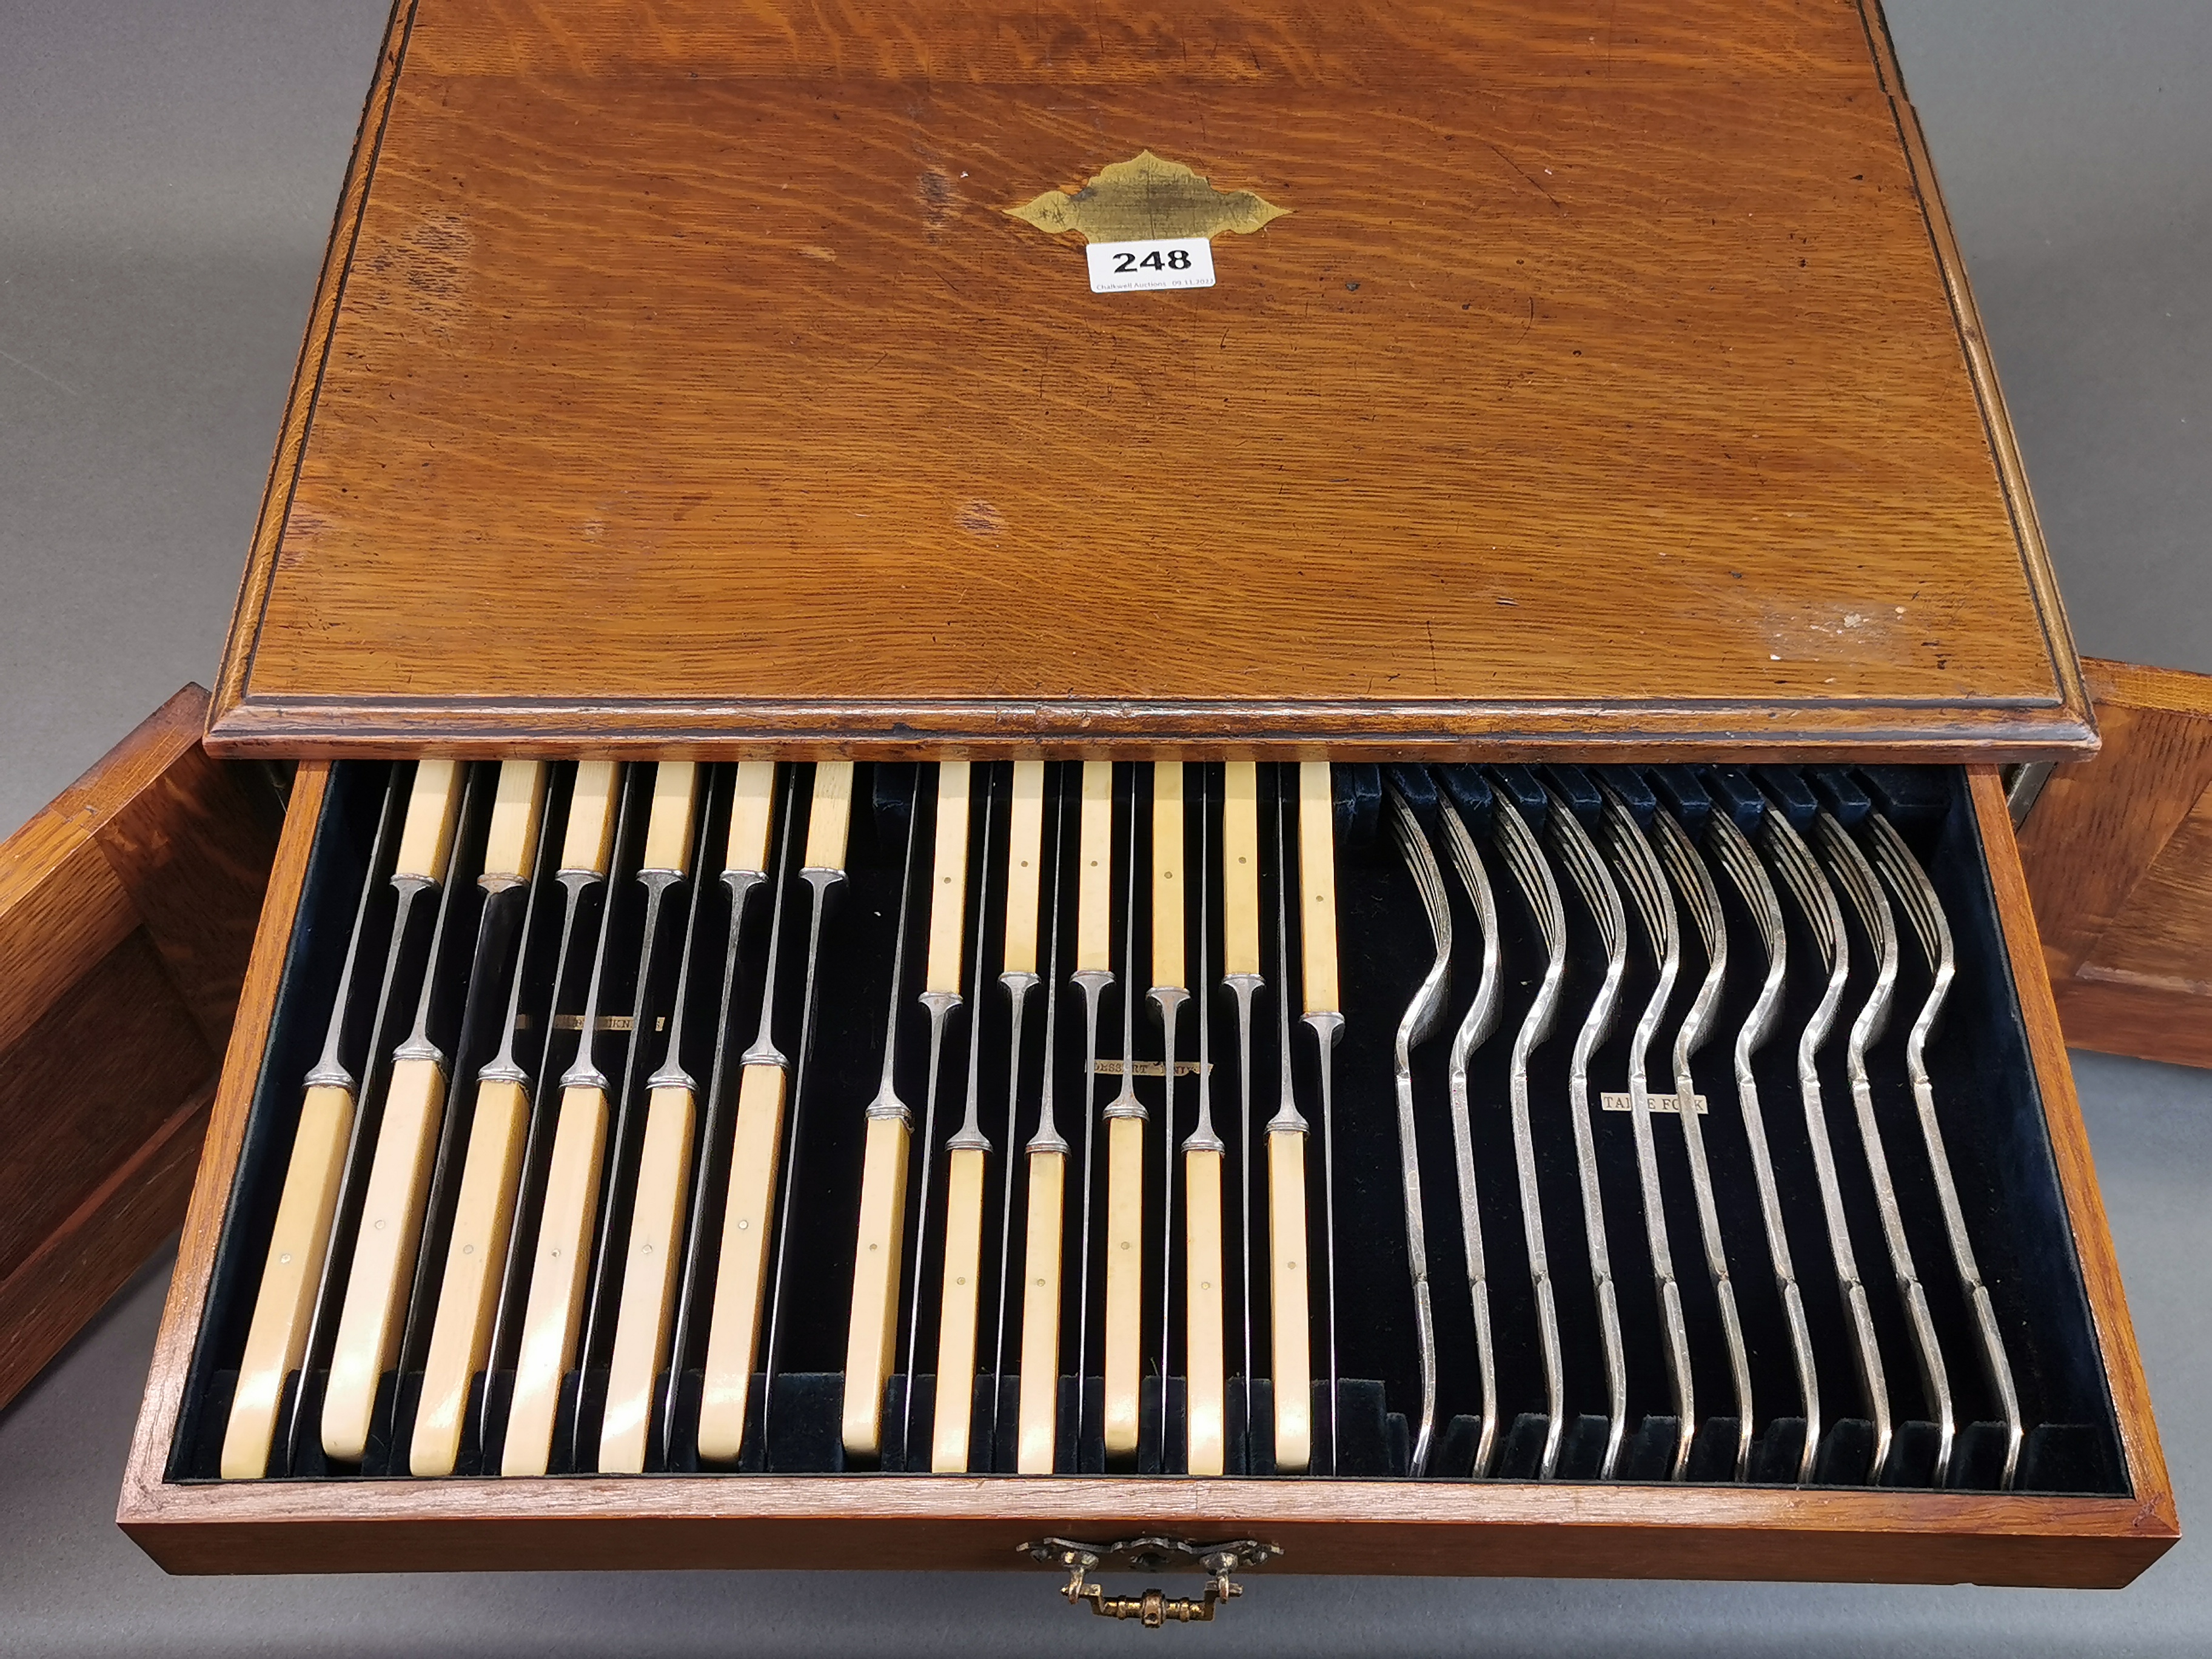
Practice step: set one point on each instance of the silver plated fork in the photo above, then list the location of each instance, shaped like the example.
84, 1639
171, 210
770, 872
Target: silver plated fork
1655, 909
1916, 896
1475, 1027
1572, 844
1732, 849
1701, 898
1801, 873
1419, 1023
1856, 878
1532, 875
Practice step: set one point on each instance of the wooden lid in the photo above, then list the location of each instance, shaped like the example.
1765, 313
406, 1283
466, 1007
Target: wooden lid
680, 378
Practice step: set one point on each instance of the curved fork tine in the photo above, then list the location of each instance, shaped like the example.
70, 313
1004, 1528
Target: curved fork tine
1702, 898
1856, 878
1474, 1029
1572, 844
1733, 850
1655, 908
1541, 891
1917, 894
1420, 1020
1816, 901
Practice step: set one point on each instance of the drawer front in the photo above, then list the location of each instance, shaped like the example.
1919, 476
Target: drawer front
2086, 1501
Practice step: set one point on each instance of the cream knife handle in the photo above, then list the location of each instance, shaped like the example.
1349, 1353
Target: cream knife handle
875, 1285
433, 803
484, 1214
948, 880
1037, 1433
285, 1302
752, 806
668, 825
1291, 1367
1205, 1429
956, 1324
741, 1276
587, 840
829, 820
1168, 878
648, 1294
1125, 1281
1239, 869
383, 1255
555, 1305
1024, 866
1094, 876
1317, 885
511, 842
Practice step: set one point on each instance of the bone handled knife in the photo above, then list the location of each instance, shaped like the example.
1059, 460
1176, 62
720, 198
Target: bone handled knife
1240, 946
1289, 1317
391, 1222
491, 1167
1170, 991
553, 1315
643, 1320
1123, 1365
872, 1330
741, 1271
1323, 1012
1037, 1413
1205, 1430
940, 995
277, 1337
966, 1156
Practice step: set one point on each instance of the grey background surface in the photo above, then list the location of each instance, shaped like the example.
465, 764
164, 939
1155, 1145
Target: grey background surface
167, 170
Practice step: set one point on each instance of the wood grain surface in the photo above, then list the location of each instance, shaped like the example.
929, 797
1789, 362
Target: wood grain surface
679, 382
126, 910
2119, 855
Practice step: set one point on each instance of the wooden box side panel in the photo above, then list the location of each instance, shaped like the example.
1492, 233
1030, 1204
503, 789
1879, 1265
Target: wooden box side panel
126, 906
2119, 855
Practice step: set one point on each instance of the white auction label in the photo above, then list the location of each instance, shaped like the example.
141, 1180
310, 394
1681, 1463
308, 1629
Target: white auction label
1132, 267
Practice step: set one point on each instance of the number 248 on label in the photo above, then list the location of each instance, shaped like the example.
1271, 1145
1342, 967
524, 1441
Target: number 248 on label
1131, 267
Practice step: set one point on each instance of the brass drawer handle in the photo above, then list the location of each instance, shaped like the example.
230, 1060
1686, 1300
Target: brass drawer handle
1153, 1608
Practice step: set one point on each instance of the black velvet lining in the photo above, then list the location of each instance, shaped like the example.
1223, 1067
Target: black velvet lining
1991, 1115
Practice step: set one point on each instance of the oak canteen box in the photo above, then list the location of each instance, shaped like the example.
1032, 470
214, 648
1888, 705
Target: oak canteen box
1210, 785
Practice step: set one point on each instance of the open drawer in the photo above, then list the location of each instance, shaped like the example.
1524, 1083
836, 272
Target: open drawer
2091, 1504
